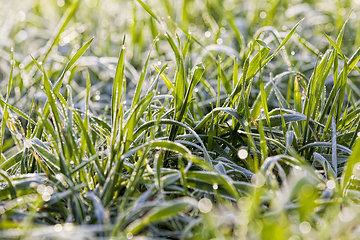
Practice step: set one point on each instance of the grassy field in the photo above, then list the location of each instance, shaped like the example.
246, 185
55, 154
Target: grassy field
180, 119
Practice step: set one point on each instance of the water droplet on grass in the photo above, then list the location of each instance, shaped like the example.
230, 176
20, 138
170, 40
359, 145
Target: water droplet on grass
41, 188
60, 3
305, 227
263, 14
46, 197
58, 228
331, 184
243, 153
205, 205
258, 180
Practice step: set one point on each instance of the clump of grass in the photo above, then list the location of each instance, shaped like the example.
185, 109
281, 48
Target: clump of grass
230, 129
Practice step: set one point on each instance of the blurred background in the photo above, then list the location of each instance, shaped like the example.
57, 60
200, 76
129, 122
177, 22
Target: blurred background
218, 28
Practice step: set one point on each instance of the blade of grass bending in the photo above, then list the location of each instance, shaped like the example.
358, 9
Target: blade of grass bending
230, 111
11, 188
155, 82
191, 37
257, 62
329, 171
160, 213
341, 33
6, 164
173, 122
166, 80
341, 54
72, 61
148, 9
166, 145
286, 39
326, 145
61, 27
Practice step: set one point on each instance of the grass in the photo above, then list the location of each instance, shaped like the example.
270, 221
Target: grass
180, 120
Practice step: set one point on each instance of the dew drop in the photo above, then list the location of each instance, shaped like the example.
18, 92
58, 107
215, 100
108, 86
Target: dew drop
258, 180
331, 184
41, 188
263, 14
60, 3
49, 190
129, 235
46, 197
305, 227
243, 153
58, 228
205, 205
